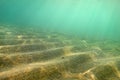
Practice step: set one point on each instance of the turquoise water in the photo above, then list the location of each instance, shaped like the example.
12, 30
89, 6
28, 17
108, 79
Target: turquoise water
85, 18
59, 39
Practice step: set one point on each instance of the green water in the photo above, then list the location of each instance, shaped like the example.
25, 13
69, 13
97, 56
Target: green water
59, 39
88, 19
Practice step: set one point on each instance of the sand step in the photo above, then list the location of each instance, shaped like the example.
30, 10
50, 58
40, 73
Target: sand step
21, 36
27, 47
105, 60
25, 58
52, 69
117, 63
8, 40
105, 72
34, 45
29, 41
19, 41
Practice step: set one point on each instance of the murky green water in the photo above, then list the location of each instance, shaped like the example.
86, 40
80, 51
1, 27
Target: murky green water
59, 39
89, 18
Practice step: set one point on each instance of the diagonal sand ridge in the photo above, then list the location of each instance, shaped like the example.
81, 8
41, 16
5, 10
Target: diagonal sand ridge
38, 55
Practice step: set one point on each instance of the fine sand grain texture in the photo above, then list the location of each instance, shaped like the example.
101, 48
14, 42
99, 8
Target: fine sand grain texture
39, 55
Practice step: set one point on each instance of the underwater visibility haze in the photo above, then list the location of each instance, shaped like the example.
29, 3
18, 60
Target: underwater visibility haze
59, 39
83, 17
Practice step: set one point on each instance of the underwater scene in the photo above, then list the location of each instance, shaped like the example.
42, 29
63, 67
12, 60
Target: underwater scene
59, 40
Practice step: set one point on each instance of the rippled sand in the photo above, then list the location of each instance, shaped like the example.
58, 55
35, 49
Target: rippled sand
28, 54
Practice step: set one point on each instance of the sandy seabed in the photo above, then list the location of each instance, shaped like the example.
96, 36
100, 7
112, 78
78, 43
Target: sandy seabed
28, 54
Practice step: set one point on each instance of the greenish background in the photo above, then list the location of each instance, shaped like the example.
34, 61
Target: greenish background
98, 19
